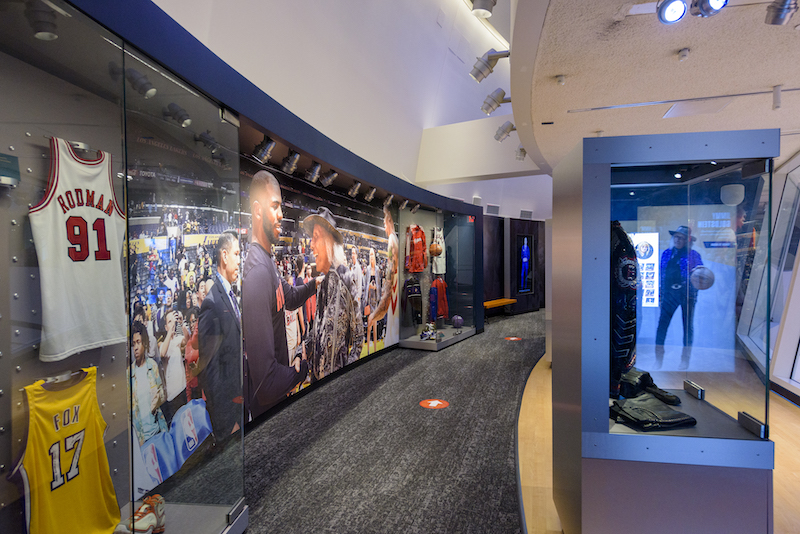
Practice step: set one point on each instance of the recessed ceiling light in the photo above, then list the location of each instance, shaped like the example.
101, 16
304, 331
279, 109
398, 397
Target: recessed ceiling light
678, 175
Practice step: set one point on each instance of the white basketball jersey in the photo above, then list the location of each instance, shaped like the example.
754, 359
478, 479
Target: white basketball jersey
438, 263
78, 228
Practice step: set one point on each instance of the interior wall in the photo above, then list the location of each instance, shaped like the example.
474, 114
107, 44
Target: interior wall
533, 193
493, 273
369, 77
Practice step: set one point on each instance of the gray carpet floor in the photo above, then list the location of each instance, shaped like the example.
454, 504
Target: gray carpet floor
359, 454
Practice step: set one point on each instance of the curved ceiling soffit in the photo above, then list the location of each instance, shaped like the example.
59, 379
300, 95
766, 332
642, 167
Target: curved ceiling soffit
528, 23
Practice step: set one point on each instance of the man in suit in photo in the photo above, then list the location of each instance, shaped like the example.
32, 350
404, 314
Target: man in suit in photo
219, 340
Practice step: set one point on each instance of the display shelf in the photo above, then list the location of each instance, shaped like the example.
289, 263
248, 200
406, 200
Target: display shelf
451, 336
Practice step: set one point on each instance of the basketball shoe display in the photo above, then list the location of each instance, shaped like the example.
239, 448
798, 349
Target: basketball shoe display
148, 519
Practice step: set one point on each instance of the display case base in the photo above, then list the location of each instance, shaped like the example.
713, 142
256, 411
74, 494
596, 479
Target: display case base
200, 518
451, 335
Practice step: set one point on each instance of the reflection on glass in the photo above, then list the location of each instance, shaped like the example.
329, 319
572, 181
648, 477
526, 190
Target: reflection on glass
183, 269
694, 247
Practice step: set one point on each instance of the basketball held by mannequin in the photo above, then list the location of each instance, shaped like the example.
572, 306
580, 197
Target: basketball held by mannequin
702, 277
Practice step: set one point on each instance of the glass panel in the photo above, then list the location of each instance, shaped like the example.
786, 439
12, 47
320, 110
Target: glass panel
460, 243
62, 290
755, 333
184, 269
689, 241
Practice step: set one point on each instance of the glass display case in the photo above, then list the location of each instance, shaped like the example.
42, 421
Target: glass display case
116, 175
693, 231
660, 243
437, 278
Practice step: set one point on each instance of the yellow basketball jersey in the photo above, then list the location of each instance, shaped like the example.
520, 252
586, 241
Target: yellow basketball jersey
63, 470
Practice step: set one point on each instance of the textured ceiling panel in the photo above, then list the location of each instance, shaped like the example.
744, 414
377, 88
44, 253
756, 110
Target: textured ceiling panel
610, 62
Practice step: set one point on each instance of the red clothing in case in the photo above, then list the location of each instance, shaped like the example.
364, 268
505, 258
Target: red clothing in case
441, 304
416, 251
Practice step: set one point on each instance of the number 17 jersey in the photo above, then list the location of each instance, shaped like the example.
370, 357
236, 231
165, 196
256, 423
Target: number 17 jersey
78, 228
63, 471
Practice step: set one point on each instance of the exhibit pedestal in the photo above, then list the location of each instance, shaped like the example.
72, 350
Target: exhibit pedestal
449, 336
712, 477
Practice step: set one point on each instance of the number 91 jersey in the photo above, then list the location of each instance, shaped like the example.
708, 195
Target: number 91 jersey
63, 471
78, 228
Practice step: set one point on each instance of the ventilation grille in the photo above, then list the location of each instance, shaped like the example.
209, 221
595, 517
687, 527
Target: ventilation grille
492, 209
526, 214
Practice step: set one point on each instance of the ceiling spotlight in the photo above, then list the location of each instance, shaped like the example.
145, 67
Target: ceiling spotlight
493, 101
415, 208
707, 8
354, 189
140, 83
521, 153
504, 131
42, 19
683, 54
218, 156
670, 11
290, 162
312, 174
370, 194
404, 204
329, 178
174, 111
208, 140
388, 200
678, 176
483, 8
561, 79
263, 150
485, 64
780, 12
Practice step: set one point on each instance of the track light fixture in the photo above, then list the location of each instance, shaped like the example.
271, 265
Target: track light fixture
218, 156
404, 204
521, 153
504, 131
388, 200
707, 8
483, 8
140, 83
290, 162
670, 11
780, 12
312, 174
329, 178
493, 101
42, 19
485, 64
415, 209
370, 194
263, 150
178, 114
354, 189
208, 141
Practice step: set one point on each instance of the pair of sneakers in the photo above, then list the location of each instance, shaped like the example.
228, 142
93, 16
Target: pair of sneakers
148, 519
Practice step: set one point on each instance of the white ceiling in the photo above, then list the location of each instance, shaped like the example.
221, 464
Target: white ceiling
610, 59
